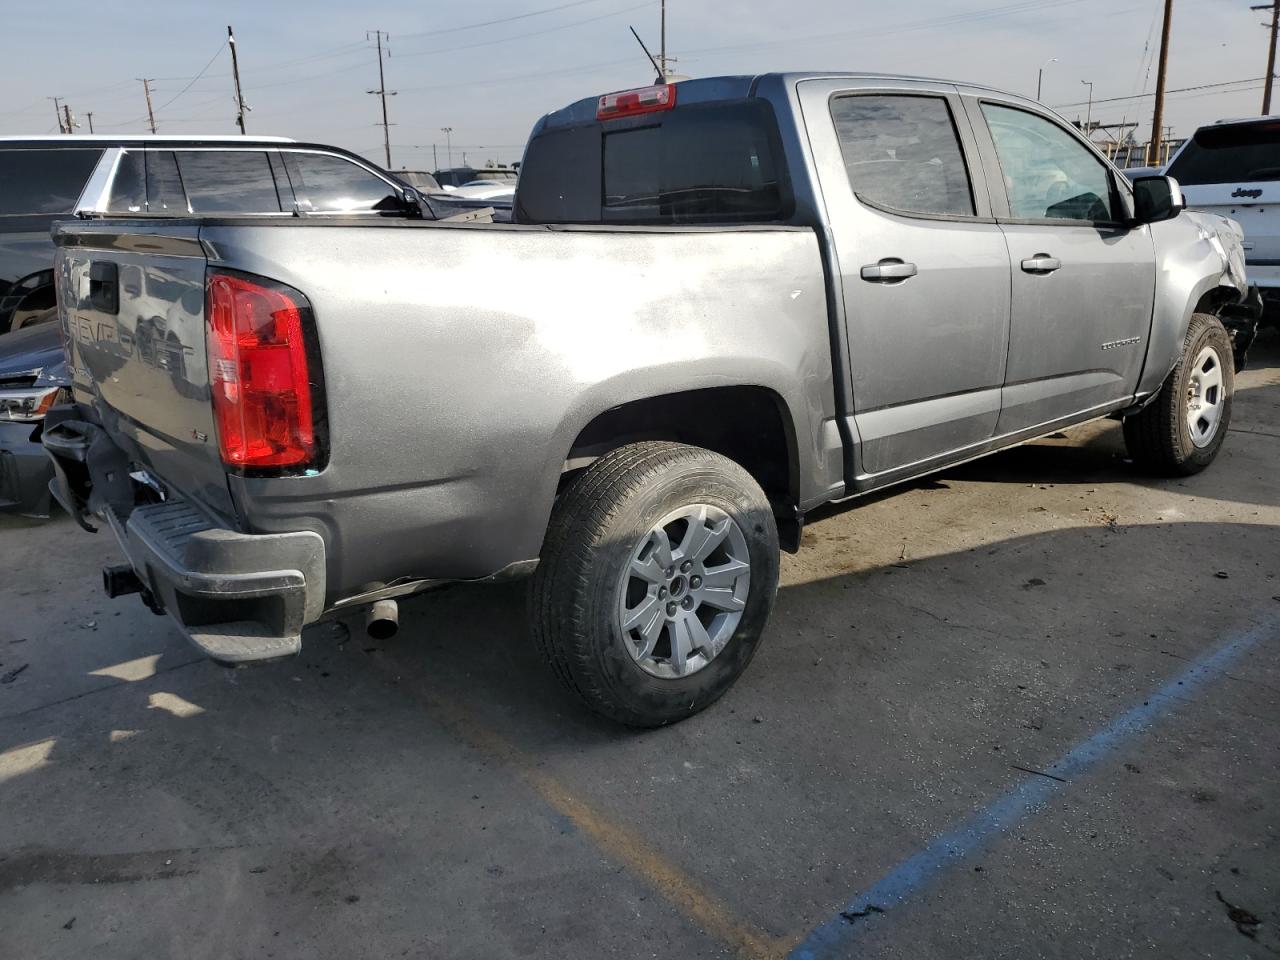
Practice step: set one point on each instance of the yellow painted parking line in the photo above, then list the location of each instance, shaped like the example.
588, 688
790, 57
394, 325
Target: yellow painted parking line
617, 841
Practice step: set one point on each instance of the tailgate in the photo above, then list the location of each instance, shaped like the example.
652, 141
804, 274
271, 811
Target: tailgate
131, 299
1253, 206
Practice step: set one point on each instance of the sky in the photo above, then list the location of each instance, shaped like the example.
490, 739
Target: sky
489, 70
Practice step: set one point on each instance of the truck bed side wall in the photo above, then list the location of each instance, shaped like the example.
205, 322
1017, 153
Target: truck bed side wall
461, 363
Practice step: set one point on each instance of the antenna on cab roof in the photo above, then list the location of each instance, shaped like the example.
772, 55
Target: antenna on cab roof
657, 69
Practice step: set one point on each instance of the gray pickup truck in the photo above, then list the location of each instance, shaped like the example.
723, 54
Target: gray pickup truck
723, 303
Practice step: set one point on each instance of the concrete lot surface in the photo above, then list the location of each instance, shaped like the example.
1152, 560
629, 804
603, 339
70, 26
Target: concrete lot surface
1030, 708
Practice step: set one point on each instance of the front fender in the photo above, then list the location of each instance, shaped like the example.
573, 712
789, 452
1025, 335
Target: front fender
1197, 254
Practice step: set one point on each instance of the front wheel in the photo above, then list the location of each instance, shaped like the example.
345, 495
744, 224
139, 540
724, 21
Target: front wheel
657, 577
1180, 432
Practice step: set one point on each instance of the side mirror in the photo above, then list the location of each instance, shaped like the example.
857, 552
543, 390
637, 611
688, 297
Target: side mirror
1156, 199
412, 203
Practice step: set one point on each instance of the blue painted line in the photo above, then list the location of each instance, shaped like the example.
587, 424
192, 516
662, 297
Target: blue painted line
832, 938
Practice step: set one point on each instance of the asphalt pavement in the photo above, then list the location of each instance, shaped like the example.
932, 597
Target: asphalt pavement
1027, 708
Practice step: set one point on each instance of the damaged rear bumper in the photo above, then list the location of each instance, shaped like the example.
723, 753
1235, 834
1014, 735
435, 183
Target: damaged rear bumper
239, 597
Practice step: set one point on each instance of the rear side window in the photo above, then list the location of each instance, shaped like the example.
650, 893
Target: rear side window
703, 163
164, 186
1231, 153
903, 152
43, 181
327, 184
229, 181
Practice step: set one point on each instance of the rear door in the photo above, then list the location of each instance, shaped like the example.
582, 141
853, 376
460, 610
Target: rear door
1083, 278
924, 270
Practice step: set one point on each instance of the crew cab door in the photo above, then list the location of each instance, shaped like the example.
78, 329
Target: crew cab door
1083, 275
923, 270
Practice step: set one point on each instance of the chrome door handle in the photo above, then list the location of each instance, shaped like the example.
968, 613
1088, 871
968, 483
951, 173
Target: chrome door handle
1041, 263
889, 270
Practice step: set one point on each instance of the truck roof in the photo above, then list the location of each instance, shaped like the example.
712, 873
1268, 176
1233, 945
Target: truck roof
141, 138
740, 86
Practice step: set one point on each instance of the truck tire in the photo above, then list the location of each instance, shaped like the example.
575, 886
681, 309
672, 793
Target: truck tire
657, 577
1181, 430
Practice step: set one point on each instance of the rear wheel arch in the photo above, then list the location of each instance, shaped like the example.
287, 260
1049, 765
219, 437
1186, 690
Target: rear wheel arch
749, 424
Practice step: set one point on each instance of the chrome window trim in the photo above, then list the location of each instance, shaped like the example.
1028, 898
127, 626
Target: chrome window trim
97, 192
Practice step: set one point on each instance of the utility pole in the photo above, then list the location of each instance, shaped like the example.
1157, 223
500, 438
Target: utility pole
235, 72
89, 114
57, 112
662, 54
151, 117
1157, 121
1088, 116
1040, 77
448, 141
435, 161
383, 92
71, 124
1271, 53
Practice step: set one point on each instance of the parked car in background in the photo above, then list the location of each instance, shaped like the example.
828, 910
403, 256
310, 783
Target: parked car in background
454, 177
1232, 168
749, 297
1133, 173
420, 180
45, 178
33, 376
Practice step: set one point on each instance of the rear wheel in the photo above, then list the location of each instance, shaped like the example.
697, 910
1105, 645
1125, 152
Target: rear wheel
657, 577
1180, 432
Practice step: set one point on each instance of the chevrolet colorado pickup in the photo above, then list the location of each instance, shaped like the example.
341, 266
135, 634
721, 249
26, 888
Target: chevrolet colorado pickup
726, 302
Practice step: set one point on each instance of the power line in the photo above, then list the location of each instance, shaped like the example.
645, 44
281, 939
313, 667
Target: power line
525, 36
1142, 96
972, 16
490, 23
221, 47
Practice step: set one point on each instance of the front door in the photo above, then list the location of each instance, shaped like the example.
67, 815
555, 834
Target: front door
1083, 278
924, 273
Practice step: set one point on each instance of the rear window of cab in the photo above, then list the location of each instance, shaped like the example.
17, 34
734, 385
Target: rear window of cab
697, 164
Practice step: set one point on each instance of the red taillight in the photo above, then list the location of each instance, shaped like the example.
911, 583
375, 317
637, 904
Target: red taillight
628, 103
258, 372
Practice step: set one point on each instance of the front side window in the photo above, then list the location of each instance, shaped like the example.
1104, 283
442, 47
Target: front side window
37, 182
328, 184
903, 152
1048, 173
228, 181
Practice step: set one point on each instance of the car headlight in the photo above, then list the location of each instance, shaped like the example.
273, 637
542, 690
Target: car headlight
27, 405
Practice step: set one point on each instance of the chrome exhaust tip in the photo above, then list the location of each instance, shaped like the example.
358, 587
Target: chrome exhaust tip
382, 622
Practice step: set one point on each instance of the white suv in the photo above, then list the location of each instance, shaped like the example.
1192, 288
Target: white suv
1232, 168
